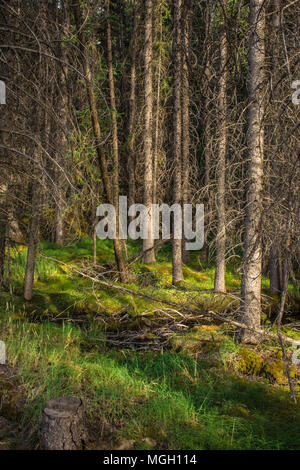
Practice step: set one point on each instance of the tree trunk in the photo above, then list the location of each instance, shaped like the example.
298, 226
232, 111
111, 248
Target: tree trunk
274, 271
185, 117
274, 267
117, 241
63, 128
98, 138
132, 113
157, 122
219, 284
148, 244
207, 128
251, 277
177, 274
32, 242
3, 233
63, 426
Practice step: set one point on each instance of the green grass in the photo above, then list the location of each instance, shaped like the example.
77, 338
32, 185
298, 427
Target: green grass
177, 401
59, 291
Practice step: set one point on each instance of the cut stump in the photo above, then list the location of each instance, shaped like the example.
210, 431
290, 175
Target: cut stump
63, 426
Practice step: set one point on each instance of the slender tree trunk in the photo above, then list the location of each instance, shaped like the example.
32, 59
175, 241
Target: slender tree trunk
3, 234
148, 244
113, 113
274, 271
252, 261
40, 124
115, 137
207, 127
275, 45
219, 284
32, 242
95, 243
177, 274
185, 117
98, 138
157, 123
132, 113
63, 131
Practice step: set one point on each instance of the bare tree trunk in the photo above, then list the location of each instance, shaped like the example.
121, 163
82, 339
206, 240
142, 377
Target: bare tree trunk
113, 114
32, 242
185, 118
132, 113
207, 127
115, 141
156, 133
3, 233
98, 138
177, 274
219, 284
252, 261
274, 271
274, 268
148, 244
95, 242
62, 133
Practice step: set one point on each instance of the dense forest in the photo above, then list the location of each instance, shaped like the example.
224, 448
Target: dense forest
143, 338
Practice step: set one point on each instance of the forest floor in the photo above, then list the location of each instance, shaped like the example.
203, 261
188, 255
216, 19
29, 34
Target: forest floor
150, 378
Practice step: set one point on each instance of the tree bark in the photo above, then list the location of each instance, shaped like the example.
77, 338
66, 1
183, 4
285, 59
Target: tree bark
252, 259
274, 271
185, 117
63, 426
207, 128
274, 266
177, 274
148, 244
219, 282
3, 234
157, 123
63, 128
132, 113
117, 241
32, 243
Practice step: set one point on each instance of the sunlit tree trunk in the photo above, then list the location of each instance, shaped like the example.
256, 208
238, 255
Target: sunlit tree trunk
132, 113
148, 244
252, 260
63, 128
177, 274
158, 108
185, 117
219, 284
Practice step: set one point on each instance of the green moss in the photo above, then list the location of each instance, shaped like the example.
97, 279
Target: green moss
275, 371
250, 361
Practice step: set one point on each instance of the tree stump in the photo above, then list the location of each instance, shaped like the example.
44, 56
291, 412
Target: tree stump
63, 424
